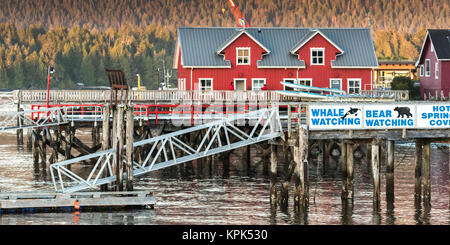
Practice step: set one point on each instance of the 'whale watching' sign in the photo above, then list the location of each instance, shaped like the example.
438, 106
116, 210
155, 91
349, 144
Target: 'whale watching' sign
378, 116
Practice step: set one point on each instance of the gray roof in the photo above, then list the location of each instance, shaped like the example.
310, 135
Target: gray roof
441, 43
199, 45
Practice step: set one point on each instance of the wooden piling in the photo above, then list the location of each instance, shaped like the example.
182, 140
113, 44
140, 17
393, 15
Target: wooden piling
375, 166
129, 149
105, 139
418, 171
301, 195
350, 162
29, 139
35, 149
390, 172
19, 131
426, 173
344, 169
273, 175
119, 148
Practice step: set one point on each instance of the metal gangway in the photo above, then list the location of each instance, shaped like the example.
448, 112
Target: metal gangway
169, 150
33, 118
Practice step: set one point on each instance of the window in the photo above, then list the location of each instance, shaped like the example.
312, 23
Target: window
290, 81
336, 83
243, 56
421, 70
205, 84
317, 56
182, 84
354, 86
436, 70
258, 83
303, 81
427, 68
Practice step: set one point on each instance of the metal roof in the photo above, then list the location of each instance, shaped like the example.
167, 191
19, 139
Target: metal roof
441, 43
199, 45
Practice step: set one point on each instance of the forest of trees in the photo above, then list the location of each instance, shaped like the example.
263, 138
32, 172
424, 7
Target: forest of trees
81, 38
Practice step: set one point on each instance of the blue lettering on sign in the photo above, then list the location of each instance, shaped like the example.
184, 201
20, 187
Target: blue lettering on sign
441, 108
378, 113
335, 121
327, 112
390, 122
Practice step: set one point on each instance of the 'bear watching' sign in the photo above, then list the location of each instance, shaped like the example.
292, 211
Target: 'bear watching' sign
378, 116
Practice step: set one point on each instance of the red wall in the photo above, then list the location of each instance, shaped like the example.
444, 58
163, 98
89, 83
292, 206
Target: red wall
319, 74
429, 84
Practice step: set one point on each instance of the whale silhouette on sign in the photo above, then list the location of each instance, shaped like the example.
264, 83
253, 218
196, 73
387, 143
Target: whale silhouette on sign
351, 112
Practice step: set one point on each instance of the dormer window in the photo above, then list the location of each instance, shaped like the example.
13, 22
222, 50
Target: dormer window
317, 56
243, 56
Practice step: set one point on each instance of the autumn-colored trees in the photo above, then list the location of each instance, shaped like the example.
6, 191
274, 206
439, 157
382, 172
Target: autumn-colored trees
83, 37
80, 54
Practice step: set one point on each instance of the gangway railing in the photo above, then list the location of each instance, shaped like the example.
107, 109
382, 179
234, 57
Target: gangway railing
29, 119
170, 149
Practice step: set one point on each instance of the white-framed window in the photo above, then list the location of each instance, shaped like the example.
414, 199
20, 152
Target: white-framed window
427, 67
336, 83
258, 83
305, 81
181, 83
317, 56
243, 56
354, 85
421, 70
205, 84
436, 70
290, 80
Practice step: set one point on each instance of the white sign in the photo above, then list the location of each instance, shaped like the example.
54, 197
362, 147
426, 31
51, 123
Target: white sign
335, 117
389, 116
379, 116
433, 116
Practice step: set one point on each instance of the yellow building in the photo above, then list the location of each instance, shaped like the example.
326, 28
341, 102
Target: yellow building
388, 69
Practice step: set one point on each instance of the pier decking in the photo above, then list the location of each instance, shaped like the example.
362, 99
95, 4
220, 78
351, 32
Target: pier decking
45, 201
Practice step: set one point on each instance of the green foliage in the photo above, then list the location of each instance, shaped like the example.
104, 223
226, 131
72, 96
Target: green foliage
406, 83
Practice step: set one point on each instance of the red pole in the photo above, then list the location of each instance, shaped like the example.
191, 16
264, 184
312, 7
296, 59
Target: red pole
48, 89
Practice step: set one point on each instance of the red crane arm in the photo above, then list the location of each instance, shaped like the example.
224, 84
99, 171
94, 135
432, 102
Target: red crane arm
238, 17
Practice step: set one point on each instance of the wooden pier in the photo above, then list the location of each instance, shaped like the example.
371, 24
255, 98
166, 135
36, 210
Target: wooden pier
81, 201
356, 131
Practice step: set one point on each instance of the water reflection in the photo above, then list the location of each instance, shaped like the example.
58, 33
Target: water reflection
230, 190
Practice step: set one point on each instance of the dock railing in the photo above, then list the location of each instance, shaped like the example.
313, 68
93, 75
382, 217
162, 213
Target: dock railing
97, 96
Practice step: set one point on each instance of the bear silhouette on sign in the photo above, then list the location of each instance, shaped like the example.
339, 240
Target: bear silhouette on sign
351, 112
402, 111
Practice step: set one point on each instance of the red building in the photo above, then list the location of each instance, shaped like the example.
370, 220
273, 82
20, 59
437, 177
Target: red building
434, 64
212, 58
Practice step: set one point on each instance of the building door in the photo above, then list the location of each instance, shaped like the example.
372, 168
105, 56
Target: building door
239, 84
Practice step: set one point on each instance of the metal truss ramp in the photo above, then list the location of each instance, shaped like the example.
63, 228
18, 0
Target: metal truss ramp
33, 118
169, 150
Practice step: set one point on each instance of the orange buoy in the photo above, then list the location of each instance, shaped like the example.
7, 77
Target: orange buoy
76, 205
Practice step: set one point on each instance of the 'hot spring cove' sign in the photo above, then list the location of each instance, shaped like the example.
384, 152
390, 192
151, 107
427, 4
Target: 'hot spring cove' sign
379, 116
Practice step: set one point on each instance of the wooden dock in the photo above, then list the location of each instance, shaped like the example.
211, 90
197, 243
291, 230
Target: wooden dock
87, 201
